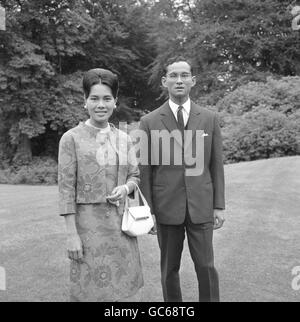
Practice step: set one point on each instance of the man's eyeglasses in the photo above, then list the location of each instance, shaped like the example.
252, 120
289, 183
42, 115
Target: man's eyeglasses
183, 76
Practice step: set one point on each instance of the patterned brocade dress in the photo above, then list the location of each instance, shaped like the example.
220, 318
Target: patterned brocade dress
111, 267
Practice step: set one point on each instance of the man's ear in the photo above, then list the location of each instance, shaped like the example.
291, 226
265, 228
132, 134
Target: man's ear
194, 80
163, 81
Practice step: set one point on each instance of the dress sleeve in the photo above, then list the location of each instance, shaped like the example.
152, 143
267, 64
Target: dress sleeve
67, 175
133, 169
146, 174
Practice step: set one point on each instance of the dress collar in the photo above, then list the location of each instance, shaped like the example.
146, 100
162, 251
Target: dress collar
101, 130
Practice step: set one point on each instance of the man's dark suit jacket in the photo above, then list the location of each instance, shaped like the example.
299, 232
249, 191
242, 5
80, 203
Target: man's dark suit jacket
167, 188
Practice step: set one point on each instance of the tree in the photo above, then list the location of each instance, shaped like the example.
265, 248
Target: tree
47, 46
167, 33
38, 39
232, 42
120, 42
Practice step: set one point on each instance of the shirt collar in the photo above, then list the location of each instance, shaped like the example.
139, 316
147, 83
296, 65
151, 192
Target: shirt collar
186, 106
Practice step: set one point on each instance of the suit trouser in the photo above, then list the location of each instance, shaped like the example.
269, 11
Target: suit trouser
171, 240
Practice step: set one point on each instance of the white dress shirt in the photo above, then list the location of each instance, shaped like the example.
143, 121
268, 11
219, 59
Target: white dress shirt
185, 111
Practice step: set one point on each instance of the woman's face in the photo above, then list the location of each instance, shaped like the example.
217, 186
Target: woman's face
100, 105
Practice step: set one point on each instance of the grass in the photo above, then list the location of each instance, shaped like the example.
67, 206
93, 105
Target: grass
254, 252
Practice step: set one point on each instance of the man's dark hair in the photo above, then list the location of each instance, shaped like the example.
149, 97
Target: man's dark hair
100, 76
176, 59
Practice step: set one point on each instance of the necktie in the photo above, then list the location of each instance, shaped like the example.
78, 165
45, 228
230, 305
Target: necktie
180, 119
180, 122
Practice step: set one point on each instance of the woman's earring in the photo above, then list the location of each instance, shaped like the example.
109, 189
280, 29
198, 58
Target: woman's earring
85, 106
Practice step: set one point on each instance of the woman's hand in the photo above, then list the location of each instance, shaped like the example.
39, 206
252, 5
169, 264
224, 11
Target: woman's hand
74, 247
153, 230
119, 193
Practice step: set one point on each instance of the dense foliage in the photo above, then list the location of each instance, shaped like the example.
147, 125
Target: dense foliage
44, 51
261, 120
245, 53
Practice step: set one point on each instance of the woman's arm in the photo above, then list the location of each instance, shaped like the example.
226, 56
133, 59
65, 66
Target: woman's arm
70, 224
67, 177
74, 243
120, 192
133, 177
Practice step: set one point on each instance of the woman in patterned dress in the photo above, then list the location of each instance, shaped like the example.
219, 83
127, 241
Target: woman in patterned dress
97, 170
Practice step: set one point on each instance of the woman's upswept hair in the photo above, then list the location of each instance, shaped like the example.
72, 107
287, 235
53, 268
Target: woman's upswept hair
100, 76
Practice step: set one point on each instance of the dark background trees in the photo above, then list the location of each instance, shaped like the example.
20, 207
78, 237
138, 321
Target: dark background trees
44, 51
233, 42
48, 44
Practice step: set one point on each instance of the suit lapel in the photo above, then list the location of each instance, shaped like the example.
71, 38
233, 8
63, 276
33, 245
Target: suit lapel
194, 118
193, 123
169, 121
168, 117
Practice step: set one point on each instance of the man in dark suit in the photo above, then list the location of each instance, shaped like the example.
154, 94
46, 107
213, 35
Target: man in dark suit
184, 197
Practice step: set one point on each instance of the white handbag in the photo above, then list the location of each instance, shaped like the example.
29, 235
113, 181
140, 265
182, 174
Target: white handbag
137, 220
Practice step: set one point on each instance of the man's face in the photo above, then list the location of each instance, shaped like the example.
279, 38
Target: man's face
179, 80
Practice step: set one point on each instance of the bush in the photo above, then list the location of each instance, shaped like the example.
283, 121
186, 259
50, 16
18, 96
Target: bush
39, 171
282, 95
261, 120
261, 133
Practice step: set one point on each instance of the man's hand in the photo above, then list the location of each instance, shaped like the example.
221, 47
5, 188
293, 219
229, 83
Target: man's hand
219, 218
74, 247
153, 230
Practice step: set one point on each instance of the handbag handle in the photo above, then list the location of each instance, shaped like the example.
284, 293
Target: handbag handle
141, 195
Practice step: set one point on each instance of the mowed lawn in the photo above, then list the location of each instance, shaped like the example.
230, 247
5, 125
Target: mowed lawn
255, 252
